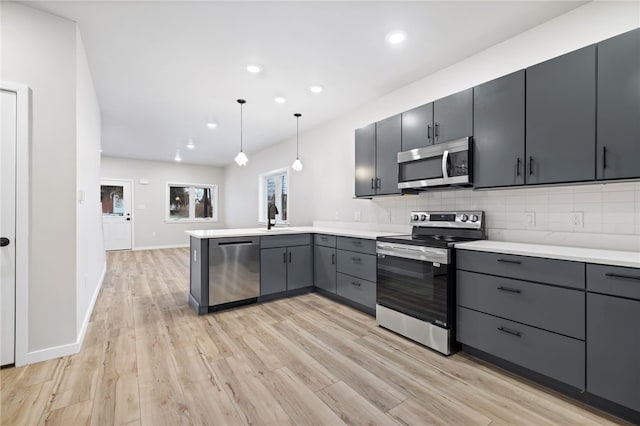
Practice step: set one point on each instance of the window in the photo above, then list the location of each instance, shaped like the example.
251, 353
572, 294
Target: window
273, 187
188, 202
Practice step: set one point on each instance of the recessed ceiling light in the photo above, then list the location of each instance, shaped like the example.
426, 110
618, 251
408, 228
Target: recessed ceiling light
211, 125
279, 100
254, 69
396, 37
316, 89
190, 144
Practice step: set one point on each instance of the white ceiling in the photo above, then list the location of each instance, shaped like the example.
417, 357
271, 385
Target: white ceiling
161, 69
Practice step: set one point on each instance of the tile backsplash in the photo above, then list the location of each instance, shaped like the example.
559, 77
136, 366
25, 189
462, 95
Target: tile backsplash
589, 215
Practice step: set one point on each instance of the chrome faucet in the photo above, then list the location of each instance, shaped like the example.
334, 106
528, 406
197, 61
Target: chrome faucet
272, 211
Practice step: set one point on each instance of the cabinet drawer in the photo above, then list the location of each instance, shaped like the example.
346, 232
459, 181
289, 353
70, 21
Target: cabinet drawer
549, 271
550, 354
357, 265
285, 240
614, 280
555, 309
360, 291
360, 245
324, 240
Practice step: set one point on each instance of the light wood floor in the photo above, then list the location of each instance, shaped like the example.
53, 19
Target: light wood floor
148, 359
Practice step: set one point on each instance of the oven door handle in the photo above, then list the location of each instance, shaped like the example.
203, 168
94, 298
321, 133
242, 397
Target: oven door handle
445, 164
422, 254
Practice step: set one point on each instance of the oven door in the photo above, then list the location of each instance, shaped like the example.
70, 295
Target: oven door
436, 165
414, 280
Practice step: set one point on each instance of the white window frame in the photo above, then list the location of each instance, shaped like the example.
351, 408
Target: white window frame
262, 196
192, 203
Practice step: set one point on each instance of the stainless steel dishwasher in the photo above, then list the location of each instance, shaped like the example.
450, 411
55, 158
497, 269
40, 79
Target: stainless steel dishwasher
234, 270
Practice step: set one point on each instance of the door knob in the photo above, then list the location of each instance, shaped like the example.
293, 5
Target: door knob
4, 242
128, 218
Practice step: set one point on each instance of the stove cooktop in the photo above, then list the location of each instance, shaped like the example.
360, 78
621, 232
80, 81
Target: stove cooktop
441, 241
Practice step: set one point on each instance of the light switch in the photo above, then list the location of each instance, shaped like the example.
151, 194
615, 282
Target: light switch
143, 181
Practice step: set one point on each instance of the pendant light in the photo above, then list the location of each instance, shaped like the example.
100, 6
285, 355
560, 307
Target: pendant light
297, 165
241, 158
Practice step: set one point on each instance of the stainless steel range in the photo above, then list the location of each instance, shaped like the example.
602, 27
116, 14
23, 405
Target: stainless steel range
415, 294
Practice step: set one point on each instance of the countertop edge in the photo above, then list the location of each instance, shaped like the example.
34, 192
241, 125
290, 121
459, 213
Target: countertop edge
589, 255
222, 233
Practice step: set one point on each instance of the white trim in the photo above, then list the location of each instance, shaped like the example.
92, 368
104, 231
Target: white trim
92, 304
23, 190
169, 246
192, 204
133, 215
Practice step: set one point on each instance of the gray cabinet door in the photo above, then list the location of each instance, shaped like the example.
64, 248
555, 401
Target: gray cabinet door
388, 144
417, 127
560, 118
619, 107
453, 116
613, 349
325, 268
273, 270
498, 132
300, 267
365, 161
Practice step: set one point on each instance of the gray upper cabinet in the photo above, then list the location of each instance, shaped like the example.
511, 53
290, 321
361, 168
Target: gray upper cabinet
417, 127
377, 146
299, 268
498, 132
388, 144
366, 161
453, 116
325, 268
560, 118
618, 143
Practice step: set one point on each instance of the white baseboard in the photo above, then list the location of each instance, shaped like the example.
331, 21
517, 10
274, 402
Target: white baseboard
169, 246
71, 348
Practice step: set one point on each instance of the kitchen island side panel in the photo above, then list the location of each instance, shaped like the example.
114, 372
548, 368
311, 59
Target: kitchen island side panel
199, 275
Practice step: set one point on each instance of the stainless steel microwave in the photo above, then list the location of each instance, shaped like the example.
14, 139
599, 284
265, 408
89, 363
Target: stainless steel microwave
443, 164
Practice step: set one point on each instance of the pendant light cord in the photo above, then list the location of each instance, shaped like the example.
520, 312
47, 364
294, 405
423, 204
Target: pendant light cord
297, 138
241, 127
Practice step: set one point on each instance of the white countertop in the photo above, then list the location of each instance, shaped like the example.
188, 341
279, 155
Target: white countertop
261, 232
578, 254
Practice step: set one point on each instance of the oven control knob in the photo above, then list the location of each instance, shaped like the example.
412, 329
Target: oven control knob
464, 218
423, 217
415, 217
474, 218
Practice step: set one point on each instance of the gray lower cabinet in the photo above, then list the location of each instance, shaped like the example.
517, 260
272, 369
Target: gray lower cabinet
273, 270
550, 354
560, 117
613, 349
618, 127
613, 334
299, 267
358, 290
498, 132
325, 268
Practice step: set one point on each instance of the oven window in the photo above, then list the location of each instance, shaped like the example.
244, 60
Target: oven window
415, 288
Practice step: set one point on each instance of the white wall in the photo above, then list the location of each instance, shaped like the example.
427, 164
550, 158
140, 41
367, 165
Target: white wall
150, 228
39, 49
324, 190
90, 256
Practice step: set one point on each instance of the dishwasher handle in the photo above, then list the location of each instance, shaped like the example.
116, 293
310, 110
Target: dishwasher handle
234, 241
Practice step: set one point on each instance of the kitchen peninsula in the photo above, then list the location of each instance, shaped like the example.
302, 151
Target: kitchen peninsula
232, 267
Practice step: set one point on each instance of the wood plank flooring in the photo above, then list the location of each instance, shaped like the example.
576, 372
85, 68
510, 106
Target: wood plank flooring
147, 359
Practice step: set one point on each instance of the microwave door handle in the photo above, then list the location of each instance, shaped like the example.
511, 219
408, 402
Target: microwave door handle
445, 162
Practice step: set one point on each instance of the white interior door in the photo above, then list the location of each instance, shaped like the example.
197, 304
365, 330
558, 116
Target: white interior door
117, 221
8, 127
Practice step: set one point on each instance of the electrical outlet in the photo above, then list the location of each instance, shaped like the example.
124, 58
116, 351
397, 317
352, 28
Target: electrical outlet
357, 216
530, 219
577, 219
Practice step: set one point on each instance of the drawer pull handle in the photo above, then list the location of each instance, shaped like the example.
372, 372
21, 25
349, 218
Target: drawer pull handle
626, 277
356, 259
515, 262
355, 283
509, 331
357, 243
510, 290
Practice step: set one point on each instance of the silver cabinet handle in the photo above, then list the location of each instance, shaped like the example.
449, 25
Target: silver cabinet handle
445, 161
